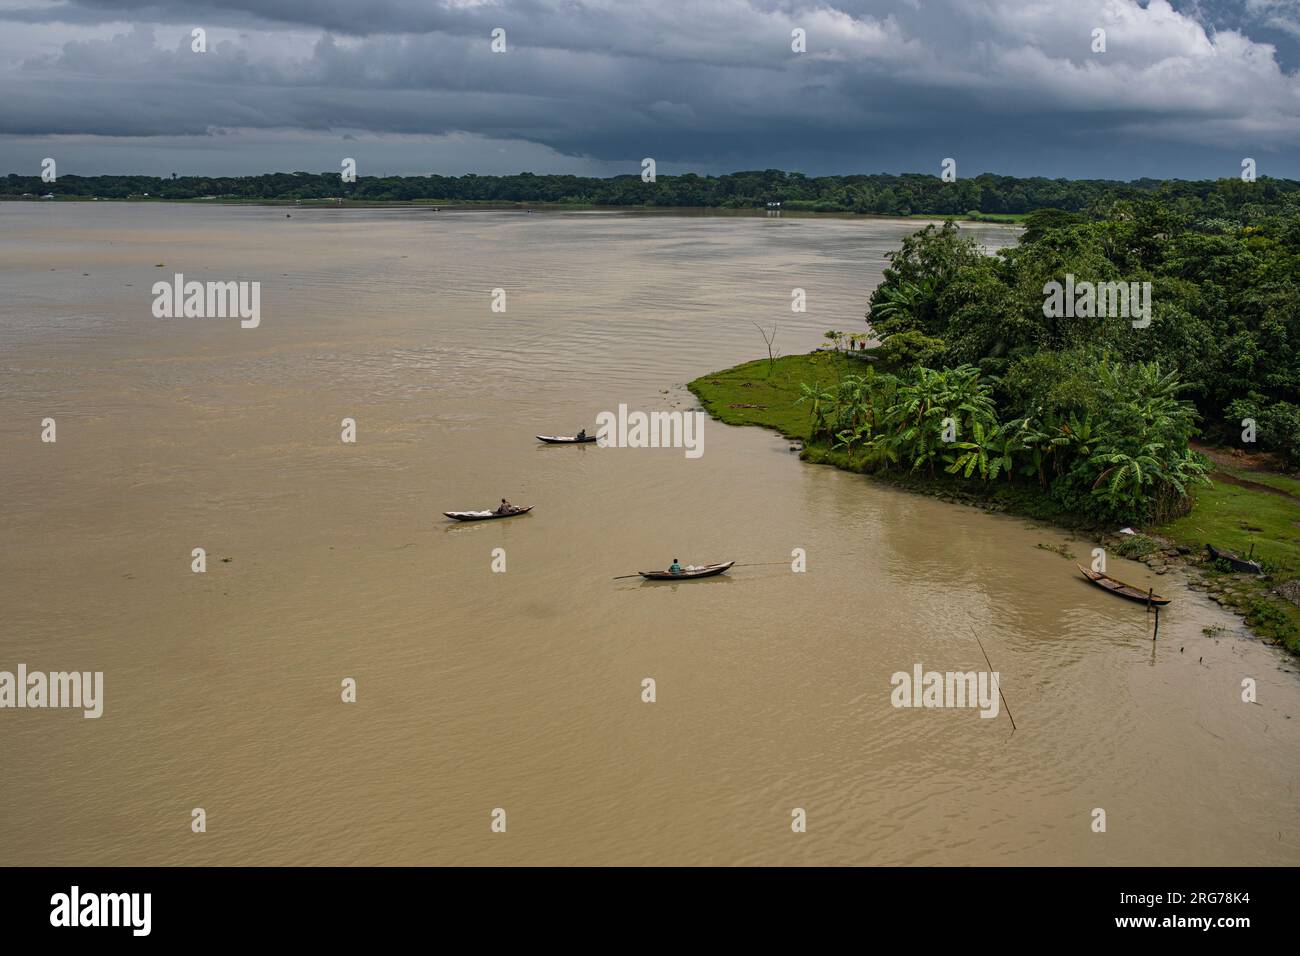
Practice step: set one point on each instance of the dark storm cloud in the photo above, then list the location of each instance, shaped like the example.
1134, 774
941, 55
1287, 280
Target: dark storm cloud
1006, 85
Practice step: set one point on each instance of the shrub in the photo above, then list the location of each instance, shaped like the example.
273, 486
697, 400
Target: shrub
1135, 547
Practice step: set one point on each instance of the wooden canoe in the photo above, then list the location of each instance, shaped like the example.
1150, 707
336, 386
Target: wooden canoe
565, 439
708, 571
1238, 564
1114, 586
485, 515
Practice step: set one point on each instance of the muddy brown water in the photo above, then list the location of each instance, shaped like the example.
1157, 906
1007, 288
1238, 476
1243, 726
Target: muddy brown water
522, 690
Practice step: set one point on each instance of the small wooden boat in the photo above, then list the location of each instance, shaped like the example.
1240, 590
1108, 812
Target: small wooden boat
565, 439
708, 571
1244, 565
1114, 586
485, 515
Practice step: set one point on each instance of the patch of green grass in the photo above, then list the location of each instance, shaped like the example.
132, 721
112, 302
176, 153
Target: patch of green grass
1235, 518
775, 388
1271, 478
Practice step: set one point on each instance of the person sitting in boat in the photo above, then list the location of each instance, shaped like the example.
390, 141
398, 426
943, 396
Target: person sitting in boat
675, 568
506, 507
582, 435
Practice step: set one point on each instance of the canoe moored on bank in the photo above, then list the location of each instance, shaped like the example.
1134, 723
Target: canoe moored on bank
1244, 565
1118, 587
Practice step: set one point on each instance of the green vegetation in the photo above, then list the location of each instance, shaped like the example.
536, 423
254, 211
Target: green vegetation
1251, 520
731, 396
983, 390
1244, 520
1112, 448
753, 394
1224, 319
986, 197
1135, 547
1271, 479
1229, 516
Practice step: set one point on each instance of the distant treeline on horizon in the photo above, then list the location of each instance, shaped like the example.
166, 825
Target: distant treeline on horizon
880, 194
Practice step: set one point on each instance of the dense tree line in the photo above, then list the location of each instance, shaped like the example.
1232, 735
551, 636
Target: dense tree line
979, 374
900, 195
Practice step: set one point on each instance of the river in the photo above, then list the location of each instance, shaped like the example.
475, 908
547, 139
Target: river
522, 690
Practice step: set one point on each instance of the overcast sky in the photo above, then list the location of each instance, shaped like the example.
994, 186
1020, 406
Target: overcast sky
1184, 89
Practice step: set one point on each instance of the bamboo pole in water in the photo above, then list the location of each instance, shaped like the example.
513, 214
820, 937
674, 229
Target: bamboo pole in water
1000, 694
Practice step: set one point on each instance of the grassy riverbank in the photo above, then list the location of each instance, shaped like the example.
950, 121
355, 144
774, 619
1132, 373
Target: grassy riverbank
1241, 508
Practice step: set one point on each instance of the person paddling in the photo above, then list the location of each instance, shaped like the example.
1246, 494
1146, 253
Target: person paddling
675, 568
506, 507
582, 435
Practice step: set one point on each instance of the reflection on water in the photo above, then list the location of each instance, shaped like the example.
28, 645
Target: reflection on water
522, 689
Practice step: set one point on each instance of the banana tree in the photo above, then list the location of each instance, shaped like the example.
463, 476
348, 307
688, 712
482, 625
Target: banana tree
1127, 478
820, 401
988, 451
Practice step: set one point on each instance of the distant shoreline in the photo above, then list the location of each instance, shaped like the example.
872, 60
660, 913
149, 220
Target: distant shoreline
462, 205
909, 196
